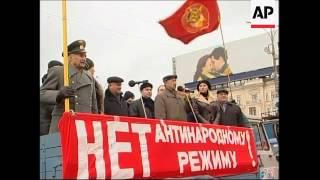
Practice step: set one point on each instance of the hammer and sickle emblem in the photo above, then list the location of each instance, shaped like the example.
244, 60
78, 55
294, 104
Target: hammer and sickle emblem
194, 15
195, 18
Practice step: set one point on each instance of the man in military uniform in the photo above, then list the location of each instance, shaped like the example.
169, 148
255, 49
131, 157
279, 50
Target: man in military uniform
81, 89
114, 103
169, 105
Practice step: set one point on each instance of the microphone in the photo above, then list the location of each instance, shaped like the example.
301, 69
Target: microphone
133, 83
181, 89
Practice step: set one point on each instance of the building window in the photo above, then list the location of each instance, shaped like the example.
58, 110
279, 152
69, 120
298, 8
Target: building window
252, 111
238, 99
254, 98
272, 95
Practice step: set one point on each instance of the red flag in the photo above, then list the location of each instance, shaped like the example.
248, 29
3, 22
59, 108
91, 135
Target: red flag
194, 18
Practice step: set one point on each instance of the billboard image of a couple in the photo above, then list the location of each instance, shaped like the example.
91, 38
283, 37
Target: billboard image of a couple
212, 65
241, 55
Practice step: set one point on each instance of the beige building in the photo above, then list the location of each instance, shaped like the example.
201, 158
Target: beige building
254, 91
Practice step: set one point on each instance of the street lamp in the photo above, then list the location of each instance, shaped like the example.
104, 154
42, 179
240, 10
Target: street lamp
271, 50
274, 57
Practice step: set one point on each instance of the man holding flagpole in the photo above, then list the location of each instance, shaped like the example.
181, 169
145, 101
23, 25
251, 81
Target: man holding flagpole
81, 90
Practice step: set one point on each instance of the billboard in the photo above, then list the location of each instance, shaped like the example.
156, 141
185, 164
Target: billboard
241, 55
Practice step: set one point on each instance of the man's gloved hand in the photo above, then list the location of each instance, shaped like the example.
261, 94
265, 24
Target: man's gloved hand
65, 92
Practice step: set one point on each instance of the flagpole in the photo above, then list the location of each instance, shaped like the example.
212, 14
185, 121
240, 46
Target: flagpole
194, 115
225, 56
65, 52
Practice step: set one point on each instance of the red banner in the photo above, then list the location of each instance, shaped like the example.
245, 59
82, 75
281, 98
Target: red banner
102, 146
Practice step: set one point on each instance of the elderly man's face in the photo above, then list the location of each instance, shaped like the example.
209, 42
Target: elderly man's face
222, 97
78, 60
171, 84
115, 88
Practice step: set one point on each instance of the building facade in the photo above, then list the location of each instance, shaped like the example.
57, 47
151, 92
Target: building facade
253, 91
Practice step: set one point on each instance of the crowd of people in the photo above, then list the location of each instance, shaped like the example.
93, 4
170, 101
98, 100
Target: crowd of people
87, 95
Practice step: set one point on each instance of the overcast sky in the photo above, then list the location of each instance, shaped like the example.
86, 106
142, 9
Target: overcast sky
125, 39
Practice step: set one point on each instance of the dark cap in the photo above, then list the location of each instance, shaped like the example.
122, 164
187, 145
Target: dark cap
222, 90
205, 82
54, 63
166, 78
114, 79
128, 95
89, 64
144, 85
77, 46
